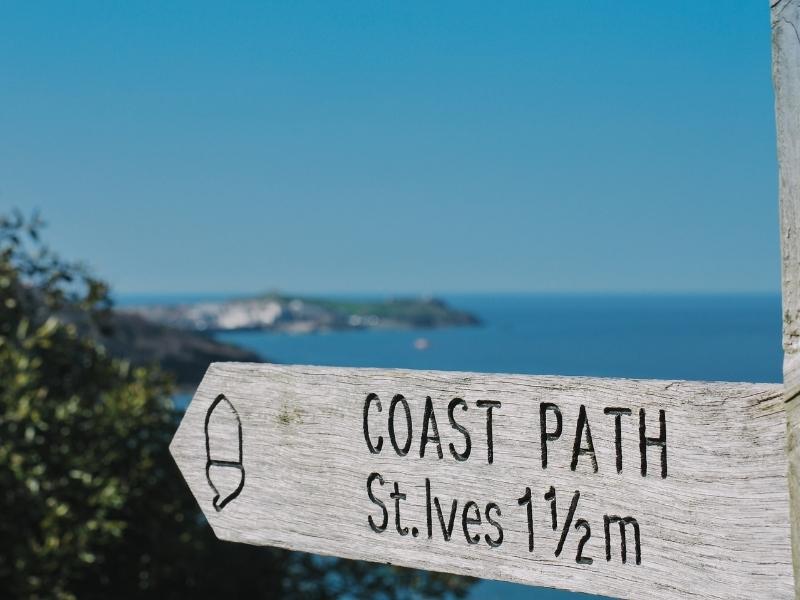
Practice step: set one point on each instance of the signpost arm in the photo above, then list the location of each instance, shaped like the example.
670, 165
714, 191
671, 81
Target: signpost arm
785, 16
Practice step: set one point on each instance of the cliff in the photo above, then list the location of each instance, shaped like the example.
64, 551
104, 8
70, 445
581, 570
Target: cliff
185, 354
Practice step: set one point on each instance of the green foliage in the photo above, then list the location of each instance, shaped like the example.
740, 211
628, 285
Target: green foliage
91, 504
398, 312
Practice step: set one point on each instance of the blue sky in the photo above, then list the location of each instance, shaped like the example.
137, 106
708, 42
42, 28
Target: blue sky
397, 147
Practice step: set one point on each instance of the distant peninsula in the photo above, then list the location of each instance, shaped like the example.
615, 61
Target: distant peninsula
295, 314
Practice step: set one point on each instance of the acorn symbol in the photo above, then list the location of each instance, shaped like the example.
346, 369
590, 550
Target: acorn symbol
224, 466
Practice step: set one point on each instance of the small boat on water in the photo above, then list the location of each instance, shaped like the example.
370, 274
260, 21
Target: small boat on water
421, 343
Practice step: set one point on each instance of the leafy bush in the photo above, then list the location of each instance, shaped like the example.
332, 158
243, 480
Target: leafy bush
91, 504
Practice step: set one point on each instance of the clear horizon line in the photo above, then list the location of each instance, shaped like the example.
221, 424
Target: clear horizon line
418, 293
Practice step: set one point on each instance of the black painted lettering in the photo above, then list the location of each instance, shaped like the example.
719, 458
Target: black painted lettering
489, 405
568, 522
399, 399
370, 399
494, 543
618, 413
578, 449
459, 456
548, 436
382, 527
527, 502
579, 557
447, 531
550, 495
467, 520
429, 421
428, 510
397, 497
661, 440
623, 523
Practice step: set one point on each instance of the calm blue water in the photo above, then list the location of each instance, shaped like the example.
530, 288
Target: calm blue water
677, 337
734, 338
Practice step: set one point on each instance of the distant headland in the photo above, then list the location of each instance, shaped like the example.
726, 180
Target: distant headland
296, 314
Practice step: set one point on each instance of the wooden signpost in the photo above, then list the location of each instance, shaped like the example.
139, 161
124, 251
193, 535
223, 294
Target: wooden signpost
628, 488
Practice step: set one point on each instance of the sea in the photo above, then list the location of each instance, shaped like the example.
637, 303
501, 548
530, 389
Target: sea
730, 337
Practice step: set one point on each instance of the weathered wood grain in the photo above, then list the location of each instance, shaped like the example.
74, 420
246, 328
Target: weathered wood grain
786, 78
717, 526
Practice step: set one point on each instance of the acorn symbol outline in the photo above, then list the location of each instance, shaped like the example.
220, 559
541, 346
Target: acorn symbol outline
224, 464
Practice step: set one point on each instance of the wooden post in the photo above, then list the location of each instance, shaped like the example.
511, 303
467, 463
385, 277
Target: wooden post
786, 79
